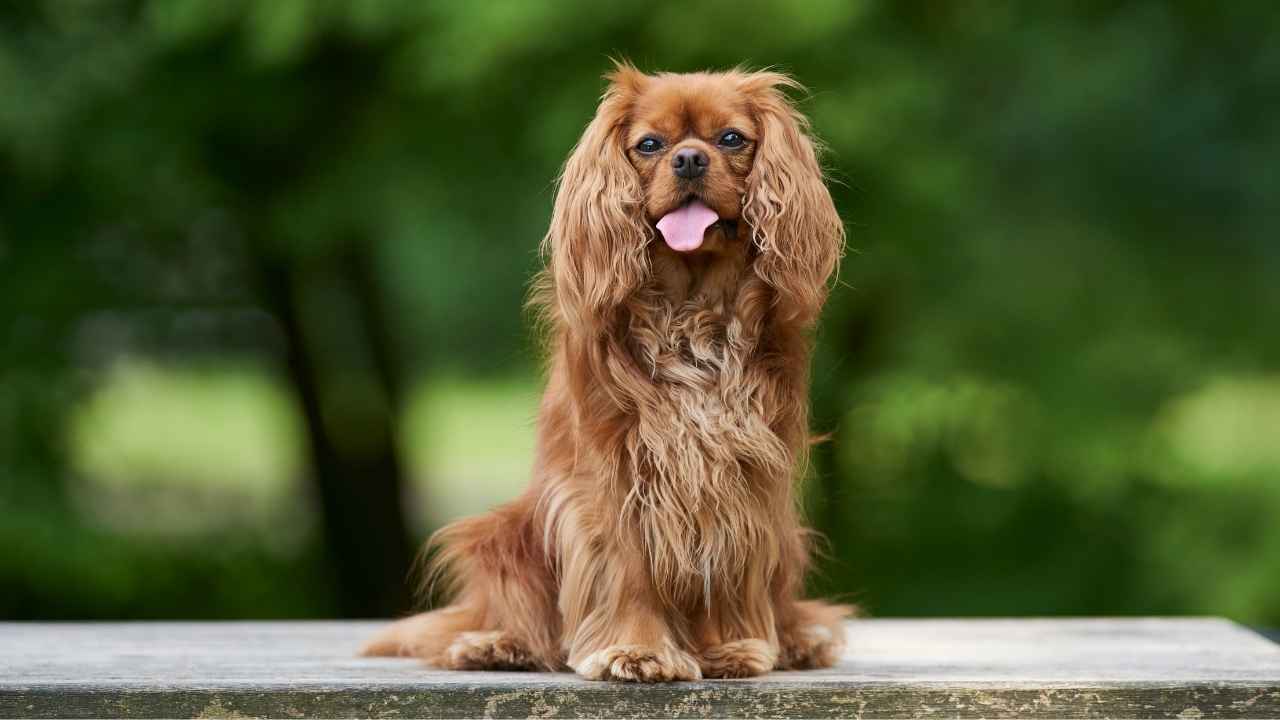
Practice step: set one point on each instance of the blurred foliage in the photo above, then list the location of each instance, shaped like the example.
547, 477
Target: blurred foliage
236, 236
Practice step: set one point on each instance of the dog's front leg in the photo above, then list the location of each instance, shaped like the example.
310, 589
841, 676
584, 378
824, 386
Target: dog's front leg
615, 625
737, 634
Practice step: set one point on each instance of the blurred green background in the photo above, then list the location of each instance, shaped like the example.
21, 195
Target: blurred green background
262, 266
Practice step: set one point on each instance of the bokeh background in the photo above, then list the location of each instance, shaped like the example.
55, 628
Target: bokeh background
262, 266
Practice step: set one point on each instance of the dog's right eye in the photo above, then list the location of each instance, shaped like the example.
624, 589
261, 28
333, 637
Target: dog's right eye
649, 145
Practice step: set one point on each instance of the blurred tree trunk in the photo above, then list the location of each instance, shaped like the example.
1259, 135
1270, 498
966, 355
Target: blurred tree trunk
325, 297
354, 461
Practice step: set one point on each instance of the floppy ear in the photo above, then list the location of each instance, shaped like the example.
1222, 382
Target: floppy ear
788, 208
596, 242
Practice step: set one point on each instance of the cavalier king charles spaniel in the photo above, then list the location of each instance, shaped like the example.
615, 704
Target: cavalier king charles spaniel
690, 251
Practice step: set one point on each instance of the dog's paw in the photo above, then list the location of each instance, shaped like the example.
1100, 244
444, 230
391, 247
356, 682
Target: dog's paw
493, 650
638, 663
810, 647
739, 659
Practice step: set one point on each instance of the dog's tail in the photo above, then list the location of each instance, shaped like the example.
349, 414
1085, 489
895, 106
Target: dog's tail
425, 635
494, 575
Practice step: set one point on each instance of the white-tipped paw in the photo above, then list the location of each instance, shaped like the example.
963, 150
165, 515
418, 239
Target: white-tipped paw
639, 663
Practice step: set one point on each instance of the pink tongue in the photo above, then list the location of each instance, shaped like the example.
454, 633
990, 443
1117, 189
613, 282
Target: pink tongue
683, 228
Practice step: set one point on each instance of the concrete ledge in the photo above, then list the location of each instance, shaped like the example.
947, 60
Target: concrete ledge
1131, 668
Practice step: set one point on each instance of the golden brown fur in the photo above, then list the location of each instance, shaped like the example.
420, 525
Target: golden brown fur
659, 538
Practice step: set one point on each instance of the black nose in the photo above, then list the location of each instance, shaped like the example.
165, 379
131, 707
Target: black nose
690, 163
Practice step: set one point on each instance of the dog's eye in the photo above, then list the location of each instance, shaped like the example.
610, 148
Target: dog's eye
649, 145
731, 139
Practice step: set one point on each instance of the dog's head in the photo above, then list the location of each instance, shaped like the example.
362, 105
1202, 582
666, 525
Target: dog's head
697, 162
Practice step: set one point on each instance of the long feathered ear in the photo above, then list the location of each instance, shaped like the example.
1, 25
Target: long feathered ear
595, 246
788, 208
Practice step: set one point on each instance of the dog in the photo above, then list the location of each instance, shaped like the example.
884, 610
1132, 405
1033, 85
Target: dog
691, 248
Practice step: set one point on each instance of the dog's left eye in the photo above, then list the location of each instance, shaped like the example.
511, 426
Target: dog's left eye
731, 139
649, 145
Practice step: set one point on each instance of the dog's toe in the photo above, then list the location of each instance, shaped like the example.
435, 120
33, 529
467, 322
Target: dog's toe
491, 650
739, 659
638, 663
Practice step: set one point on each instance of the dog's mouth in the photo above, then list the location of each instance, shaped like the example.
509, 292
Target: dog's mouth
685, 228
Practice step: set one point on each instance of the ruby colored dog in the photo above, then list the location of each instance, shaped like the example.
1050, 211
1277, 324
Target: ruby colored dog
690, 251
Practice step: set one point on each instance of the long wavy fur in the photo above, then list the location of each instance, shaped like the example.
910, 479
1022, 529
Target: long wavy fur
659, 538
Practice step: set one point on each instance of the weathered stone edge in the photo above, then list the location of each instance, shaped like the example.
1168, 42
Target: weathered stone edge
698, 700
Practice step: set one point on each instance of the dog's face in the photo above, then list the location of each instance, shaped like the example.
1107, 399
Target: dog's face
692, 140
693, 163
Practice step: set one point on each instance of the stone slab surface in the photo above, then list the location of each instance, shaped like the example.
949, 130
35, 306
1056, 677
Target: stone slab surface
1069, 668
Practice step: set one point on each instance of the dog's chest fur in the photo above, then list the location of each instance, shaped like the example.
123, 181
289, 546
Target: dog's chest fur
705, 461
